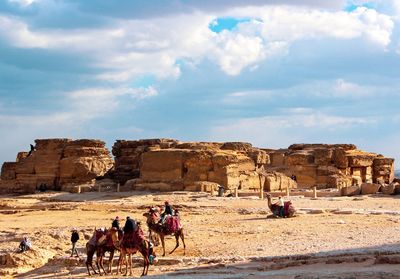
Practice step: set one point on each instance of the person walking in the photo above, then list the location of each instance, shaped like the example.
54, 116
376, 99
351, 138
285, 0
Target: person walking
74, 240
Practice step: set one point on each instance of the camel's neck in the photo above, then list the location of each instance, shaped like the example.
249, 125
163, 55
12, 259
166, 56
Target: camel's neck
269, 201
153, 226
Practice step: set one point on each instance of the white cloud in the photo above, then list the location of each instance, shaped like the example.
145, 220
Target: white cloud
23, 3
127, 49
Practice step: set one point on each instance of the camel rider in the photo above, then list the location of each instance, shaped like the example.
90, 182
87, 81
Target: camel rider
281, 205
168, 210
115, 223
130, 225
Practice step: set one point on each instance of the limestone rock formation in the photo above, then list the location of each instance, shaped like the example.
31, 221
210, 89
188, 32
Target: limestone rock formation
56, 163
166, 165
331, 165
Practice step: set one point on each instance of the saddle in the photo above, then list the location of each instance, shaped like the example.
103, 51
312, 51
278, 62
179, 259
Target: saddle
172, 224
133, 239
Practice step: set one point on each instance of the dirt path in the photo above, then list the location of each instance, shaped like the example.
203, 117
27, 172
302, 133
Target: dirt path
225, 237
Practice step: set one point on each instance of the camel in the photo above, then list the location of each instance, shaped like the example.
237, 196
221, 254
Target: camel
109, 242
160, 230
91, 247
142, 246
275, 208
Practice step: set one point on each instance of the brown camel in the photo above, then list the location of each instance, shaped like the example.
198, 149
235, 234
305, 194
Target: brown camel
141, 245
109, 242
288, 212
161, 230
91, 247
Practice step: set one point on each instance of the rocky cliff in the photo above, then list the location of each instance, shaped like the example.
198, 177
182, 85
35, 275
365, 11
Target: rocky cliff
55, 163
331, 165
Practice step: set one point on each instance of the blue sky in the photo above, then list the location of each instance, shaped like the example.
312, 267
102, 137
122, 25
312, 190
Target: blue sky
268, 72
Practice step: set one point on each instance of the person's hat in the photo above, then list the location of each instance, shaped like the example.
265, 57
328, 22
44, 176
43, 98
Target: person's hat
73, 229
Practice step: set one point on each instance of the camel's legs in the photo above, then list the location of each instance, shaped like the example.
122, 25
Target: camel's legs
126, 264
163, 243
183, 241
177, 243
130, 264
88, 270
102, 263
110, 262
145, 253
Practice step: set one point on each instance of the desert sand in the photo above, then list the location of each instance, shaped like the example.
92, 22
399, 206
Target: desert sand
331, 237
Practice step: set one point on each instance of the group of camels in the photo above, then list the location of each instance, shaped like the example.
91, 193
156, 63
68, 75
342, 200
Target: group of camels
111, 240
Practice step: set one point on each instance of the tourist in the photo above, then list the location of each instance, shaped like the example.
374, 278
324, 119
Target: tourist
25, 245
294, 178
31, 151
281, 205
74, 240
130, 225
168, 211
115, 223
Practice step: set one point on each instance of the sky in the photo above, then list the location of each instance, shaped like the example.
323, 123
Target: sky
269, 72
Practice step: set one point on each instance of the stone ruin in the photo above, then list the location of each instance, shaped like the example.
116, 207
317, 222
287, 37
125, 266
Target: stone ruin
331, 165
171, 165
56, 163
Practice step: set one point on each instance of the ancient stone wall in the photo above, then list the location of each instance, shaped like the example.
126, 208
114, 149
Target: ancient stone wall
55, 163
167, 165
335, 165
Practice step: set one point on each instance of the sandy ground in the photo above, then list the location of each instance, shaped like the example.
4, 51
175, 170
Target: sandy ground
332, 237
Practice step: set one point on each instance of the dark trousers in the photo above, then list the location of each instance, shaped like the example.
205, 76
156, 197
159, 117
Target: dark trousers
281, 211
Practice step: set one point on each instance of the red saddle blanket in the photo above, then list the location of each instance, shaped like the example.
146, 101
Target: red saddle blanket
172, 224
133, 239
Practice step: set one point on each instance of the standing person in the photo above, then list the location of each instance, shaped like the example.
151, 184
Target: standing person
281, 205
74, 240
31, 151
115, 223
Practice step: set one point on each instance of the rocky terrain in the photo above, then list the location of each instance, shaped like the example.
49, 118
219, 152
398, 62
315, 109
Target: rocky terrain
332, 236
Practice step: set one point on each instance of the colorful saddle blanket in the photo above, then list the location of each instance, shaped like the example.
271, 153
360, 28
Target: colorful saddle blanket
133, 239
172, 224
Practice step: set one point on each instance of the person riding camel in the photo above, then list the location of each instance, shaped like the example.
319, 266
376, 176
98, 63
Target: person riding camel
115, 223
130, 225
168, 211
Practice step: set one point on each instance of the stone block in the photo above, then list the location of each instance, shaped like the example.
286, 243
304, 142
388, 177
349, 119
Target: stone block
51, 144
21, 155
369, 188
162, 165
300, 158
8, 171
339, 158
258, 156
323, 156
388, 189
26, 166
360, 160
278, 159
237, 146
350, 191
